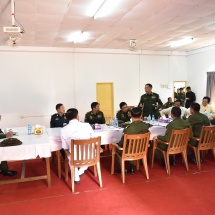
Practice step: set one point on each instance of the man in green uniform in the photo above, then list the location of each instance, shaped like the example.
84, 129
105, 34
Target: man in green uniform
3, 165
150, 102
136, 127
168, 104
193, 119
176, 124
124, 114
181, 96
95, 116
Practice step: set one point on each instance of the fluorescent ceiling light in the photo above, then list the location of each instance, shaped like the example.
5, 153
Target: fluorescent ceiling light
106, 8
78, 37
182, 42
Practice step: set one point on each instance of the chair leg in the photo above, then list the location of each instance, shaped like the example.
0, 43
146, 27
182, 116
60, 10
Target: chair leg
66, 169
113, 160
95, 170
213, 150
138, 164
99, 173
123, 171
153, 155
184, 155
197, 161
166, 159
145, 166
73, 178
198, 158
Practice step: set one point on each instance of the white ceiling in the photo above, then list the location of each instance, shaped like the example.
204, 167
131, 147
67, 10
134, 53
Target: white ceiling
154, 23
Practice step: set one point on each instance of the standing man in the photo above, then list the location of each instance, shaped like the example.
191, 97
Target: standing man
181, 96
95, 115
124, 114
3, 165
75, 130
190, 97
59, 120
150, 102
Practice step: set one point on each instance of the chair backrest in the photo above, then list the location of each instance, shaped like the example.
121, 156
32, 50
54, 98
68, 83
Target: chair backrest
207, 138
135, 146
197, 128
85, 152
178, 140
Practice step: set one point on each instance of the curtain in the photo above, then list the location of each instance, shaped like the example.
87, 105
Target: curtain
210, 91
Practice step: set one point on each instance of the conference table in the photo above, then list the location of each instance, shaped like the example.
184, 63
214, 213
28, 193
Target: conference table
109, 134
32, 146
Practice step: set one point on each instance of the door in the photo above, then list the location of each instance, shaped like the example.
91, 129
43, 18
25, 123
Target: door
104, 96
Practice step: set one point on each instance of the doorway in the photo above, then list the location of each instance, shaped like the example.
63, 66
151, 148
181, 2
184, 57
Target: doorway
177, 85
104, 96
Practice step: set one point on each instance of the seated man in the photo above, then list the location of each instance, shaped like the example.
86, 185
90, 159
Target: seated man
3, 165
206, 108
75, 130
59, 120
167, 112
168, 104
176, 124
123, 115
136, 127
193, 119
95, 116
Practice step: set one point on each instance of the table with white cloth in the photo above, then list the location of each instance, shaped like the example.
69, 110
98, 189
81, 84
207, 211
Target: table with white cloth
108, 134
32, 146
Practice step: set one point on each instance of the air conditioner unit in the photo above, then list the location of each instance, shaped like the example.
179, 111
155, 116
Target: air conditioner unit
12, 30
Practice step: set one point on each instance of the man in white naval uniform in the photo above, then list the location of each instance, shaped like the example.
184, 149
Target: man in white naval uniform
75, 130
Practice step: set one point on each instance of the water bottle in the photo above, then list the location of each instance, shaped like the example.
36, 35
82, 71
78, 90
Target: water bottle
181, 116
116, 122
29, 129
153, 119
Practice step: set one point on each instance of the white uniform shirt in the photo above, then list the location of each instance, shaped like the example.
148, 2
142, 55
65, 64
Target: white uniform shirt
75, 130
207, 109
167, 111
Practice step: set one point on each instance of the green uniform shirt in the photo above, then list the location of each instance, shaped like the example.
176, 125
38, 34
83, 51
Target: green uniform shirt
92, 118
181, 96
150, 101
137, 127
198, 118
176, 124
2, 135
123, 116
167, 105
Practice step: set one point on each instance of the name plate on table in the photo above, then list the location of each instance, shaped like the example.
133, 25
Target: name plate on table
38, 131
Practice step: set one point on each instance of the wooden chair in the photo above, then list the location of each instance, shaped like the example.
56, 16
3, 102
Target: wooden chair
84, 153
206, 141
177, 144
135, 147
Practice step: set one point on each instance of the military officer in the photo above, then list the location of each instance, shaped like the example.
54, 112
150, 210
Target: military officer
168, 104
95, 116
150, 102
124, 114
59, 120
136, 127
181, 96
193, 119
176, 124
190, 97
3, 165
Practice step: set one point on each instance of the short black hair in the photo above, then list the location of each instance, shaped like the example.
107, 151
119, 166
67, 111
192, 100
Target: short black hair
181, 88
136, 112
169, 98
58, 106
71, 113
149, 85
176, 111
122, 104
94, 104
195, 107
178, 100
208, 98
188, 88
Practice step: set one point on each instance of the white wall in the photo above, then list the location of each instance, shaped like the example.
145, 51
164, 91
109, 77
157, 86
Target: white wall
33, 82
198, 64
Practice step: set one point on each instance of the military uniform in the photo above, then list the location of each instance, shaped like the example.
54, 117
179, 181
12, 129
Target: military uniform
136, 127
149, 101
167, 105
3, 164
123, 116
92, 118
176, 124
181, 96
58, 121
194, 119
175, 96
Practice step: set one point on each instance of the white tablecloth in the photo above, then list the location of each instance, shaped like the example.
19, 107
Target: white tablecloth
32, 146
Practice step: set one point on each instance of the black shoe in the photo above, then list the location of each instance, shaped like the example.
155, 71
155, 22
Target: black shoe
77, 182
171, 162
8, 173
192, 160
131, 169
119, 171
